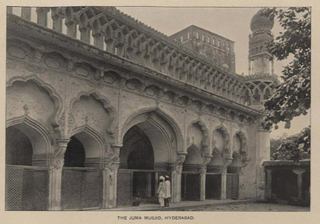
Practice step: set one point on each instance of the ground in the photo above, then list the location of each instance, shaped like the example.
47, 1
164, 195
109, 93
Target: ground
259, 207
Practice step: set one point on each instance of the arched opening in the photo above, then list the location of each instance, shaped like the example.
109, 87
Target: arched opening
82, 184
213, 176
146, 154
75, 154
137, 156
26, 181
233, 177
18, 148
190, 180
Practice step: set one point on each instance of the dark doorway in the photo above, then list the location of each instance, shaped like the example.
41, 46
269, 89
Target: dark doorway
213, 186
190, 187
232, 186
18, 148
75, 154
137, 157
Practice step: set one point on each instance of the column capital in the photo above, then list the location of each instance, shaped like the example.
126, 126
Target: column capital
177, 166
299, 171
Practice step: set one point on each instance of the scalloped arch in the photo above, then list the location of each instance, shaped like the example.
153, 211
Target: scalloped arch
50, 89
106, 104
226, 137
205, 131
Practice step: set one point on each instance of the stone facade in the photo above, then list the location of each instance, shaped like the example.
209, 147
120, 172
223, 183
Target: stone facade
121, 82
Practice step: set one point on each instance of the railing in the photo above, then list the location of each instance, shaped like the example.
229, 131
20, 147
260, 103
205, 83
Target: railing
26, 188
111, 30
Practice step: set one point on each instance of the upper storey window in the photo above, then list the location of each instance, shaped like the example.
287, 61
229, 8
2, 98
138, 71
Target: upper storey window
218, 43
202, 37
188, 35
213, 41
181, 38
197, 35
208, 40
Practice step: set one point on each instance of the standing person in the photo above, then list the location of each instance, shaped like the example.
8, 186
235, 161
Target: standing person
168, 192
161, 191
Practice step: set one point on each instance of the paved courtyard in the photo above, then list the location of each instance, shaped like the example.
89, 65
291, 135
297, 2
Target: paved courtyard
250, 207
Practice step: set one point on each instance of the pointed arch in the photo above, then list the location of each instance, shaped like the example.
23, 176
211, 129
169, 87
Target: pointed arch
143, 114
41, 138
94, 144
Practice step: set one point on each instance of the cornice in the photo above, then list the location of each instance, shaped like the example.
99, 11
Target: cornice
99, 58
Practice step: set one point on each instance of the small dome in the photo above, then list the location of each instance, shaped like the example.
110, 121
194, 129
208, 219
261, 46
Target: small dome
225, 66
261, 22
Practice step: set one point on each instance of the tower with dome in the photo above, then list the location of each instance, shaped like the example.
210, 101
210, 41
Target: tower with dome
261, 80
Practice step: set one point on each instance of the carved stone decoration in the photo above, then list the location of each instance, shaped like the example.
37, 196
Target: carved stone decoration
11, 64
179, 162
57, 160
35, 69
206, 161
113, 159
38, 53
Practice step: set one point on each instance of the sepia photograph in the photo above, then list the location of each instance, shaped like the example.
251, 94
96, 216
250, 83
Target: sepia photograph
158, 108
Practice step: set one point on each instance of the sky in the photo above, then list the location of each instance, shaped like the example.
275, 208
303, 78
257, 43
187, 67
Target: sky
232, 23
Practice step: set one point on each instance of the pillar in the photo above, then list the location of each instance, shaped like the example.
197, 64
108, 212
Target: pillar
85, 34
109, 175
224, 184
56, 19
55, 175
149, 185
176, 178
262, 154
268, 184
242, 177
26, 13
203, 173
299, 172
227, 162
42, 16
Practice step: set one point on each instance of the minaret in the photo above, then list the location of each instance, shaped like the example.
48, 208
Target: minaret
261, 80
260, 61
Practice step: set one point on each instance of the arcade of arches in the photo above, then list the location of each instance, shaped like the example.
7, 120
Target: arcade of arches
89, 129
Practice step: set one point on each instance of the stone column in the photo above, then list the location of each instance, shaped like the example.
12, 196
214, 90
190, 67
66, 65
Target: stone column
268, 184
262, 154
203, 173
224, 178
176, 178
55, 175
242, 185
299, 172
149, 185
109, 175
